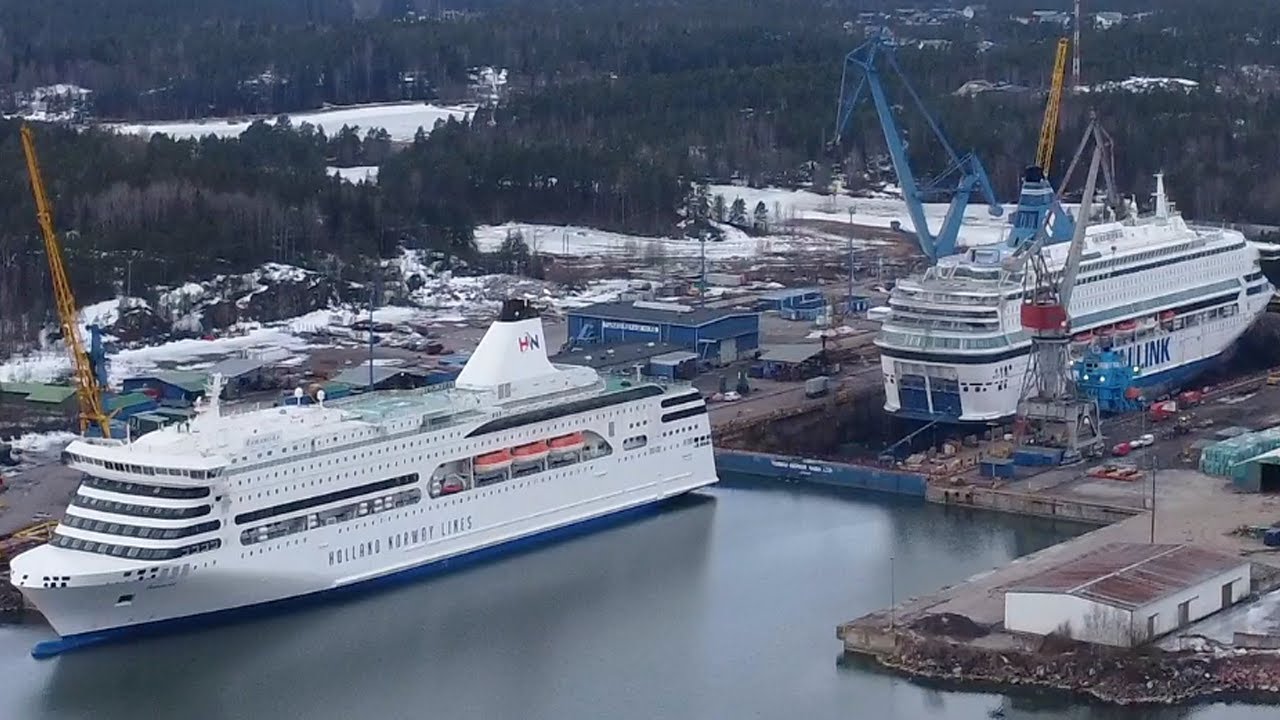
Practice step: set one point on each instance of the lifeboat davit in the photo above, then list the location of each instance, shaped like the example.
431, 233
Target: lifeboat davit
531, 452
1083, 338
566, 443
1103, 332
1168, 316
489, 462
1147, 323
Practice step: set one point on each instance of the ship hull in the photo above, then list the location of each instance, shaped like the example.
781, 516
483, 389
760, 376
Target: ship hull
88, 616
988, 391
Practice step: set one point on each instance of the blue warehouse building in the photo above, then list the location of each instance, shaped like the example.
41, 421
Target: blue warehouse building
716, 335
792, 299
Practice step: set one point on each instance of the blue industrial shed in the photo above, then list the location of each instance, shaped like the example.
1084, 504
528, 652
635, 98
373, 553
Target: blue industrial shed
791, 299
717, 335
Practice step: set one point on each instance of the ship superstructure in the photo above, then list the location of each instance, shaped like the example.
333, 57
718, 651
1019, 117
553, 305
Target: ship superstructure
233, 512
1167, 296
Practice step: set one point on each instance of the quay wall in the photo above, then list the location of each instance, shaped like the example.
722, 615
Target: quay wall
1018, 503
786, 468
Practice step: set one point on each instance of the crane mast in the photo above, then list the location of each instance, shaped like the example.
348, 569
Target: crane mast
88, 391
1052, 413
1049, 128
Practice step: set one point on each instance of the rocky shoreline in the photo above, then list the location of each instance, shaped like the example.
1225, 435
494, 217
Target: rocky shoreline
1146, 676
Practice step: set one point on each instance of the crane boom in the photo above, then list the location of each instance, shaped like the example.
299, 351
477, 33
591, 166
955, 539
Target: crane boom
88, 392
862, 61
1049, 128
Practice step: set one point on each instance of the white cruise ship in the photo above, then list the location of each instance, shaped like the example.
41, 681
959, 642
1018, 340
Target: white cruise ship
235, 513
1167, 296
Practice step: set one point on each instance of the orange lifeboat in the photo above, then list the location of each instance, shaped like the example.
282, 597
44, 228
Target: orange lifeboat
1103, 332
1168, 316
566, 443
489, 462
531, 452
1127, 326
1083, 338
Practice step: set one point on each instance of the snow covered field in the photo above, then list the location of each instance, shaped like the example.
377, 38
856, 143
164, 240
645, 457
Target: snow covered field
977, 228
355, 175
574, 241
401, 120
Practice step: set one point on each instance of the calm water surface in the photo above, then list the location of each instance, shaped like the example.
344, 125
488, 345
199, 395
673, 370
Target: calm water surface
723, 607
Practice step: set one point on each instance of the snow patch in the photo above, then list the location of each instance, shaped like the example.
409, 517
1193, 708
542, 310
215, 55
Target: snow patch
355, 175
42, 442
1135, 84
400, 120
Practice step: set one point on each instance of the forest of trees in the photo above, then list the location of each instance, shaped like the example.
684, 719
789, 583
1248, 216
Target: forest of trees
614, 111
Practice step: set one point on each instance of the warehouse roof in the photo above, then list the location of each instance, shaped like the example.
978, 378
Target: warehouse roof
235, 367
674, 358
791, 353
603, 356
39, 392
1130, 575
358, 377
669, 313
193, 382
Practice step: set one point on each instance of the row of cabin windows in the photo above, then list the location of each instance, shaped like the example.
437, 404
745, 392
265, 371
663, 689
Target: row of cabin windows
1148, 266
337, 557
140, 469
330, 497
147, 511
128, 551
616, 398
331, 516
138, 531
146, 490
470, 447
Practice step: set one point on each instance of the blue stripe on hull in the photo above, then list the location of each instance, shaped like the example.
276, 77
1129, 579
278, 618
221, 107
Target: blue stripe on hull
1165, 378
50, 648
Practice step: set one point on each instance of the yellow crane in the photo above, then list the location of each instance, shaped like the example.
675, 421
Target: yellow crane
1049, 128
87, 390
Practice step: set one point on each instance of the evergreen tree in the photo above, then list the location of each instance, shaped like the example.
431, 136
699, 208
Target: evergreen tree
738, 212
760, 218
718, 208
513, 253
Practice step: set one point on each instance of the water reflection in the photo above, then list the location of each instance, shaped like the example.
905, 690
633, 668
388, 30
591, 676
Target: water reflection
720, 608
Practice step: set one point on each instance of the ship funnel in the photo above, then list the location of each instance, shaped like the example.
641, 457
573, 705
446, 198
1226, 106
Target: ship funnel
513, 349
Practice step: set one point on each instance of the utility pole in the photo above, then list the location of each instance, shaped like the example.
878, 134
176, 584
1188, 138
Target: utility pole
893, 600
702, 290
373, 289
1153, 499
850, 298
1075, 50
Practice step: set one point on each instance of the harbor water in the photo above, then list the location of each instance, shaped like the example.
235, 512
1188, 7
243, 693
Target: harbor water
722, 606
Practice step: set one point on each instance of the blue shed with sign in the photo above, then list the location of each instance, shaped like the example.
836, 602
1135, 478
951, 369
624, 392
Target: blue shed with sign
717, 335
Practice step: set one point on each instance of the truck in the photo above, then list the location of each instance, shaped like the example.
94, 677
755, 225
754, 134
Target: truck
1163, 410
816, 387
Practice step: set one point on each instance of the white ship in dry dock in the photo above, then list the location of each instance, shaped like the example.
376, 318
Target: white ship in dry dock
233, 514
1168, 296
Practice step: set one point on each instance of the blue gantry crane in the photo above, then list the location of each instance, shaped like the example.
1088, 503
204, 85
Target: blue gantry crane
862, 64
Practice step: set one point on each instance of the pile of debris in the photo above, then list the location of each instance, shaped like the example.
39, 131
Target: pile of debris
1115, 675
11, 603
